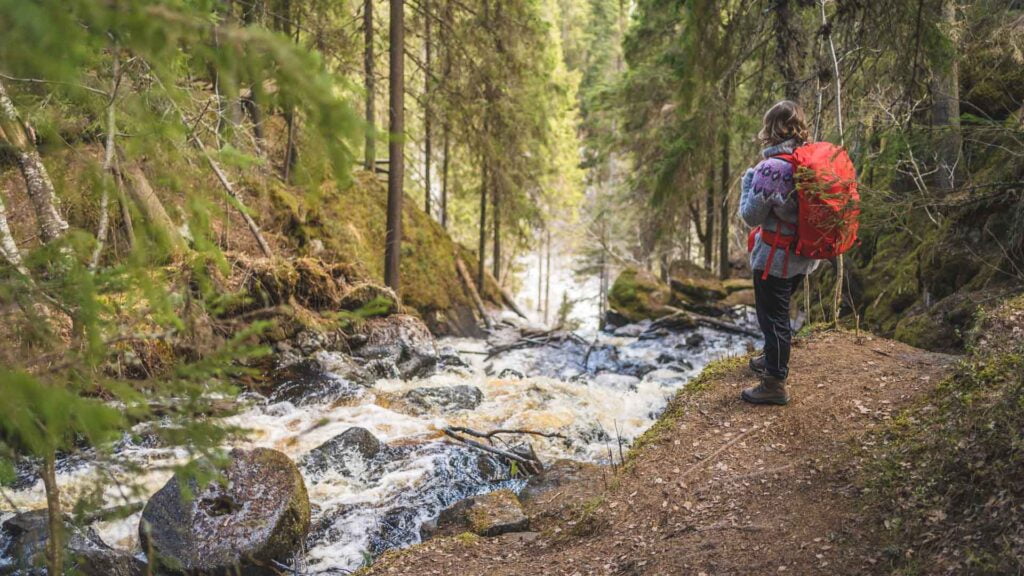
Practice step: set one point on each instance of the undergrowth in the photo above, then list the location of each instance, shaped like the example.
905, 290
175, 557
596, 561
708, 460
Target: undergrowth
945, 477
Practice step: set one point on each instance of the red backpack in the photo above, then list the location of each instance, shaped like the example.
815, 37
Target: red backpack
829, 206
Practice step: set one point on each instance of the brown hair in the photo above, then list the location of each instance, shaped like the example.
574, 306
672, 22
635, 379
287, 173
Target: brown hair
783, 121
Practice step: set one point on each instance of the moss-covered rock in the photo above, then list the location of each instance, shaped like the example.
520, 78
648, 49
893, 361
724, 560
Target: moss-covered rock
638, 295
492, 514
260, 512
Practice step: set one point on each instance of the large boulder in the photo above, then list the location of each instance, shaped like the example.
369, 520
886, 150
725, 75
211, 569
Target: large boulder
395, 346
347, 452
445, 398
637, 295
27, 534
492, 514
259, 512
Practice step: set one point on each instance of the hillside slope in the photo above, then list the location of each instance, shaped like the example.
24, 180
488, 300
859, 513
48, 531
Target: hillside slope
720, 487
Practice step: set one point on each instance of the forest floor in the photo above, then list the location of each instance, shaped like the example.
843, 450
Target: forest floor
721, 487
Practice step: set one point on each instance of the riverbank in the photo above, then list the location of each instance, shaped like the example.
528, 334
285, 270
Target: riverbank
720, 487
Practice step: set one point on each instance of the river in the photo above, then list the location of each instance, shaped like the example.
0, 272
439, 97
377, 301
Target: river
595, 388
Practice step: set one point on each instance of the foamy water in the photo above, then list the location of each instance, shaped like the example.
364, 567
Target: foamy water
382, 504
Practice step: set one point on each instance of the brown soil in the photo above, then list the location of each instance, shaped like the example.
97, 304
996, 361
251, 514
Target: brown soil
721, 487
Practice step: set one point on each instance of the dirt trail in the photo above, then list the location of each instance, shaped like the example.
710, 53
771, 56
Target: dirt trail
721, 487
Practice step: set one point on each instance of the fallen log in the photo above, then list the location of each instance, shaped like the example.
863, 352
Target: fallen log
714, 322
473, 292
511, 303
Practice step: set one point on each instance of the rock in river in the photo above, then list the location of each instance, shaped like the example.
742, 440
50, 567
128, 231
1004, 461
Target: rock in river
339, 453
445, 399
26, 535
489, 515
396, 345
259, 512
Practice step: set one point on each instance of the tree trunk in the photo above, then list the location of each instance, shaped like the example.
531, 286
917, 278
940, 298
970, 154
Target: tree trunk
18, 137
126, 214
496, 222
540, 276
251, 12
370, 148
945, 87
151, 207
447, 122
8, 247
473, 292
108, 162
55, 517
291, 150
427, 113
547, 280
396, 148
483, 223
723, 225
789, 49
444, 177
709, 220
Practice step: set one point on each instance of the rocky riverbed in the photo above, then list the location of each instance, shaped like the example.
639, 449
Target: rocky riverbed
363, 421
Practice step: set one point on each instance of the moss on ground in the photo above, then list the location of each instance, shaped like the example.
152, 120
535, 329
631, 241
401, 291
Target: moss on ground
349, 225
945, 476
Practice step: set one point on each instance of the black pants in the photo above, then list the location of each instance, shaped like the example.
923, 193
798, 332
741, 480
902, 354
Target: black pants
771, 298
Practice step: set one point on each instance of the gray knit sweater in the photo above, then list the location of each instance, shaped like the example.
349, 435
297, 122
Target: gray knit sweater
767, 198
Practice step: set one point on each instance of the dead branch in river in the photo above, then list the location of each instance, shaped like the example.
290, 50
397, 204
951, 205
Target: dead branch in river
529, 463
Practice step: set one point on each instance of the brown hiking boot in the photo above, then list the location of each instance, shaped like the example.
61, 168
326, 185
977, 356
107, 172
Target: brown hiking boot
771, 390
759, 365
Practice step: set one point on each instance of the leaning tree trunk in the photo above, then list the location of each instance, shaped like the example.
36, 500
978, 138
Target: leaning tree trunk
396, 161
150, 206
16, 135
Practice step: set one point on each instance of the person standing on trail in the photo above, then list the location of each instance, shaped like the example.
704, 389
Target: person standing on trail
769, 202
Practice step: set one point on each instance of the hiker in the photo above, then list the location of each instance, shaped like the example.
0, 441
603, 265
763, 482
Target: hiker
786, 244
767, 200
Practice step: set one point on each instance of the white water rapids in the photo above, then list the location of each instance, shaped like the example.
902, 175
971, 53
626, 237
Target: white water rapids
430, 474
